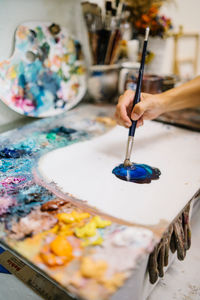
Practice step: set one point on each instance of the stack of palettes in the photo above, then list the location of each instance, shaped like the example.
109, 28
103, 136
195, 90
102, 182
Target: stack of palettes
103, 27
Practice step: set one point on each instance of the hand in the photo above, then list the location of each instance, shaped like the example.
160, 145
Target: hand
149, 107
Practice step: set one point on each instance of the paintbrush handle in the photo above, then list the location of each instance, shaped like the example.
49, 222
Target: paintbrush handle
139, 83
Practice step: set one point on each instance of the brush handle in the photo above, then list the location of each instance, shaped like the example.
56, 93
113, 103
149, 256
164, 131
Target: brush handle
139, 85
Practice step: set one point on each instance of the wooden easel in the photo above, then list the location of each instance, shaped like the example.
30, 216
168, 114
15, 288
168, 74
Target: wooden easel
193, 60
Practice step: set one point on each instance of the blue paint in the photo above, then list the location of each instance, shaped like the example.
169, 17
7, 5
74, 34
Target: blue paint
13, 153
22, 81
50, 81
39, 83
139, 173
19, 158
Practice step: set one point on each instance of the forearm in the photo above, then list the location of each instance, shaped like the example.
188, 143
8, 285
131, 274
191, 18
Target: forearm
184, 96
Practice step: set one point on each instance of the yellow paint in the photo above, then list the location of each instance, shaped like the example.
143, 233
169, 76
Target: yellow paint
72, 217
65, 58
65, 218
53, 229
86, 231
100, 223
90, 229
30, 247
97, 270
81, 226
66, 231
115, 282
90, 268
80, 70
87, 242
12, 73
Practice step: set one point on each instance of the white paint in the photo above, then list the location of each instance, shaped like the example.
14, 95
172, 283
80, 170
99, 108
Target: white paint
84, 170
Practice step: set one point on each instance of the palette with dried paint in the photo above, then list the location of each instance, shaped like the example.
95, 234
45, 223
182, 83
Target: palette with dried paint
73, 234
45, 76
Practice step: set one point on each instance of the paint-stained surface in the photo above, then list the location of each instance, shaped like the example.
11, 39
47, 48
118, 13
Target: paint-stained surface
79, 248
46, 75
174, 151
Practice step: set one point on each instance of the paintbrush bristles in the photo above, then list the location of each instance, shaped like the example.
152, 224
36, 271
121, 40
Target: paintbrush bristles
127, 163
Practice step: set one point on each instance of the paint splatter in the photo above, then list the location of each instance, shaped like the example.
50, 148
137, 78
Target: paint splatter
138, 173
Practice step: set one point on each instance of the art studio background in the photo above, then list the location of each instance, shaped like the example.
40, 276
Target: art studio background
173, 58
69, 14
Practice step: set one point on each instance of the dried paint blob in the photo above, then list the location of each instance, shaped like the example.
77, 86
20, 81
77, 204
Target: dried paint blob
139, 173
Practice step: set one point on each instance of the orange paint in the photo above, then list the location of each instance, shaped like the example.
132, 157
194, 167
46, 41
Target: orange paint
61, 247
51, 260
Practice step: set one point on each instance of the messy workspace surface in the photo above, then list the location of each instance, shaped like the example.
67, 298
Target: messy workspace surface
69, 230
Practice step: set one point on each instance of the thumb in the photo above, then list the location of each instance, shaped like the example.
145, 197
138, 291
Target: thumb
138, 111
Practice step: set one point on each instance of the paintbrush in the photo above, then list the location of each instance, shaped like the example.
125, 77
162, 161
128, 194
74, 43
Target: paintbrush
129, 147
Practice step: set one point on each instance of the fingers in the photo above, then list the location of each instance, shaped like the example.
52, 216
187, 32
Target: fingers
138, 110
120, 121
123, 109
140, 122
122, 115
144, 110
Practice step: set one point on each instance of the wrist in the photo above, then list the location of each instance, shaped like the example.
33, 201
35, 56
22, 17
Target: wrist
162, 102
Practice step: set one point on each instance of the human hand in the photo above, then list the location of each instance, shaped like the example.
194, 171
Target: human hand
149, 107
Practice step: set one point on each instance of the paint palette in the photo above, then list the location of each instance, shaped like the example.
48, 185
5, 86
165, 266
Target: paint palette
65, 239
65, 213
46, 74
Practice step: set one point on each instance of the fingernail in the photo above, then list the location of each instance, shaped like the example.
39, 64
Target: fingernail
134, 116
127, 124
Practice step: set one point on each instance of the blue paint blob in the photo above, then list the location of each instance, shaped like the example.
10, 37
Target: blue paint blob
139, 173
13, 153
62, 131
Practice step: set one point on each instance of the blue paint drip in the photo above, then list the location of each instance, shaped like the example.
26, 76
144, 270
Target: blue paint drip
139, 173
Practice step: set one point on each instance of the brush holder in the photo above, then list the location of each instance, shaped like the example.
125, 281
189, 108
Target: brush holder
103, 83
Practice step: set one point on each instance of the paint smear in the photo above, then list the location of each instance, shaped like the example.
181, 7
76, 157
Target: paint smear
138, 173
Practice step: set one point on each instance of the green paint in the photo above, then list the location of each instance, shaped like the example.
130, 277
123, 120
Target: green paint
40, 34
51, 136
